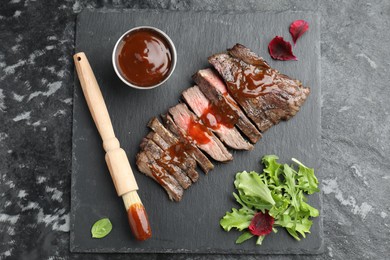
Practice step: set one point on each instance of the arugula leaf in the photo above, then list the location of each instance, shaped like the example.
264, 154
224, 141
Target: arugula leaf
244, 207
303, 226
245, 236
307, 180
290, 185
293, 233
282, 203
256, 203
272, 168
239, 219
313, 212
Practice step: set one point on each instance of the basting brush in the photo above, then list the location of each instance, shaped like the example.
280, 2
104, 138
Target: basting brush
116, 158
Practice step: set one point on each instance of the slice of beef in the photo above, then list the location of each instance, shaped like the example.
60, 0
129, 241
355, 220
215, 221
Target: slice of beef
177, 155
216, 118
240, 52
148, 166
157, 127
158, 140
230, 69
199, 133
173, 137
215, 90
197, 154
163, 159
265, 95
192, 174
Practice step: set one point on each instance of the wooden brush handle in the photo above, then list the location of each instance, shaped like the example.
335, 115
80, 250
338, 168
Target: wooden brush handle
117, 161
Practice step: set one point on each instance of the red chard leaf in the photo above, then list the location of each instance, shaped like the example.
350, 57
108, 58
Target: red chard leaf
261, 224
279, 49
298, 28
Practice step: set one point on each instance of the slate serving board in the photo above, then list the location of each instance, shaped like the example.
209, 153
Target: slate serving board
191, 226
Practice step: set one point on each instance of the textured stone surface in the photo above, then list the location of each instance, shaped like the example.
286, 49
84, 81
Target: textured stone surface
36, 81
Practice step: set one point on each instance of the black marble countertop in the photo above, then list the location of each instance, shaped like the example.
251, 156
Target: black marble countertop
36, 86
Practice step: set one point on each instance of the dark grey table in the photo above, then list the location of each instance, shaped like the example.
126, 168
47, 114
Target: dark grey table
36, 82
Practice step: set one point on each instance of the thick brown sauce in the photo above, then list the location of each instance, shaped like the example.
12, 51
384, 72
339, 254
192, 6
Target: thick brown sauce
216, 115
145, 58
252, 82
139, 222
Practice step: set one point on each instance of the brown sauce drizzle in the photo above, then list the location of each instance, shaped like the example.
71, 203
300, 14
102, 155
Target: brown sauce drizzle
158, 172
175, 155
216, 115
252, 82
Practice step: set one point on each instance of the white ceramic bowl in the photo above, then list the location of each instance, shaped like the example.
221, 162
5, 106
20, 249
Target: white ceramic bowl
115, 56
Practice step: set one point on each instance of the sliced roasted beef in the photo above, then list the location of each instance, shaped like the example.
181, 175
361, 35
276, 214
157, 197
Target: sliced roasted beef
266, 96
199, 133
173, 137
175, 154
200, 158
148, 166
215, 90
216, 118
164, 160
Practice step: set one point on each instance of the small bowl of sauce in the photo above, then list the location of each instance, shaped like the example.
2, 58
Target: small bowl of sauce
144, 57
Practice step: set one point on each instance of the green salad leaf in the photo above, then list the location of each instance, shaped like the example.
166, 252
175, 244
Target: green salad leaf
251, 187
306, 178
244, 237
239, 219
101, 228
279, 192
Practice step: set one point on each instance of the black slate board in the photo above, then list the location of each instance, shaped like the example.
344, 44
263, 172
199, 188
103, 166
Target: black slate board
193, 224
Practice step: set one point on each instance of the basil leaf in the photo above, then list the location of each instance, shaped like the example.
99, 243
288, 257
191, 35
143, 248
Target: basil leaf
101, 228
